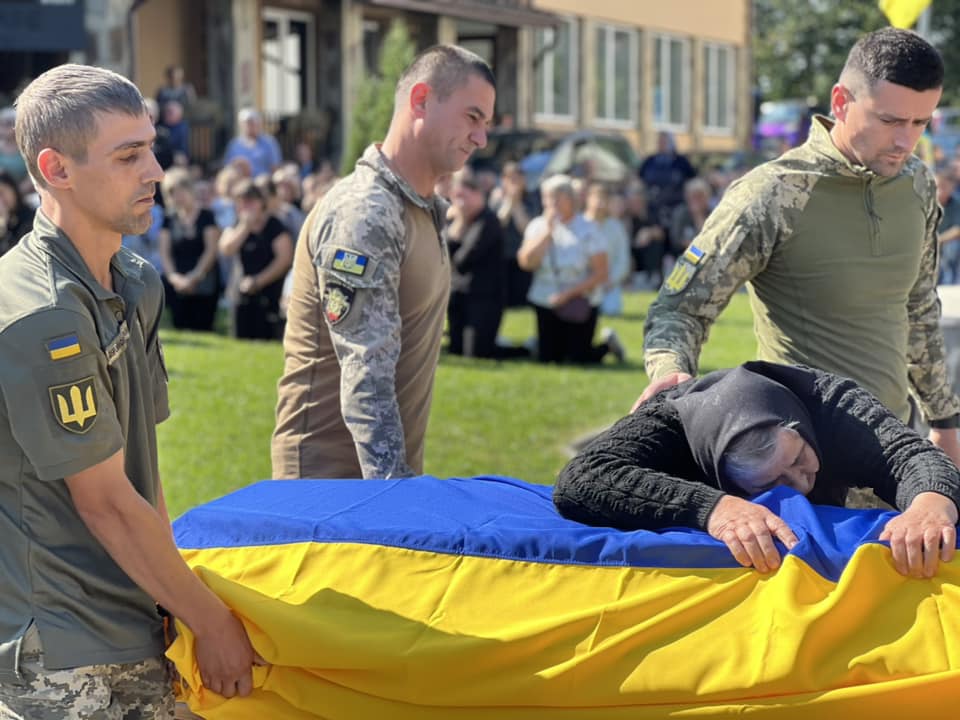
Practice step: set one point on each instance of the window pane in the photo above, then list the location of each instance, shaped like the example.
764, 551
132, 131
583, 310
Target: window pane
658, 83
561, 73
707, 86
600, 99
676, 82
540, 80
622, 76
723, 89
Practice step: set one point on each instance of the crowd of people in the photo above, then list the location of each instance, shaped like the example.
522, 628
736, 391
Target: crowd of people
89, 565
226, 240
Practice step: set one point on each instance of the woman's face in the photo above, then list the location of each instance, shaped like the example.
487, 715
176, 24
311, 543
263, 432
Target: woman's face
182, 196
560, 203
597, 203
8, 198
469, 198
794, 464
251, 209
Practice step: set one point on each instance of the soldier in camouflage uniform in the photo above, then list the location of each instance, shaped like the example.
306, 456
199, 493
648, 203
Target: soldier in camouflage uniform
87, 551
836, 242
371, 280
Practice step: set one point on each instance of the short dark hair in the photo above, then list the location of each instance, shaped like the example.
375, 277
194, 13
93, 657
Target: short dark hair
444, 68
248, 189
898, 56
61, 108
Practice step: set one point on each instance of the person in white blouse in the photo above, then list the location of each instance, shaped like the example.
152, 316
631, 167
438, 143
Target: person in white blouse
568, 257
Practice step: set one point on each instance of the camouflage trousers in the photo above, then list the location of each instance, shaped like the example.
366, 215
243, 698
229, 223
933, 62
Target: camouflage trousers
130, 691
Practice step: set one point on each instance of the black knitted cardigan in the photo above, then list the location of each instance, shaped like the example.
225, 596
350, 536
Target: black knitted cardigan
641, 474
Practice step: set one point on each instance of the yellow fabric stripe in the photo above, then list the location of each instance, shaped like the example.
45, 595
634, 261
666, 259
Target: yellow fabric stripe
65, 352
903, 13
363, 631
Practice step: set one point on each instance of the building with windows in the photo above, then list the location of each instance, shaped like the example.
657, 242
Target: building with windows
636, 67
643, 67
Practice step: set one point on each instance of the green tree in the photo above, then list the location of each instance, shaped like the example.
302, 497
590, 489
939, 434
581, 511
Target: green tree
800, 45
945, 35
374, 104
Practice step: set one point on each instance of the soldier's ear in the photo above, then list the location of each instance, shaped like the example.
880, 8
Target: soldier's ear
418, 99
840, 99
52, 168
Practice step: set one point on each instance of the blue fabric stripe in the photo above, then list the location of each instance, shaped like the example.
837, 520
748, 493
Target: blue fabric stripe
63, 342
495, 517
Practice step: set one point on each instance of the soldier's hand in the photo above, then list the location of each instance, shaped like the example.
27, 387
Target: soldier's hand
225, 656
748, 530
667, 381
922, 535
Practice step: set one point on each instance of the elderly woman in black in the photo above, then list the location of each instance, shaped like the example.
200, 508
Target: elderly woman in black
691, 454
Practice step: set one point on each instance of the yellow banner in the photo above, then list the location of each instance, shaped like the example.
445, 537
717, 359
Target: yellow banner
903, 13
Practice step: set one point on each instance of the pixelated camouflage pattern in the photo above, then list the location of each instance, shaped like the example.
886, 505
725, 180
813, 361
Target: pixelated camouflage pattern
132, 691
926, 351
364, 215
739, 240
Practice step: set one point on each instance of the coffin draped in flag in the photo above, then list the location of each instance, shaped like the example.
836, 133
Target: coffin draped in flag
471, 598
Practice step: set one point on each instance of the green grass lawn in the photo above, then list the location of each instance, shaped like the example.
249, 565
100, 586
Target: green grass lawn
512, 418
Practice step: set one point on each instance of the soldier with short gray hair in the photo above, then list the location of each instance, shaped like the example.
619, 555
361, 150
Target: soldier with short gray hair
371, 281
836, 242
87, 551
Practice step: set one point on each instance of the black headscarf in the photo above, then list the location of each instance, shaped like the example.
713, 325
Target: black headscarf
720, 406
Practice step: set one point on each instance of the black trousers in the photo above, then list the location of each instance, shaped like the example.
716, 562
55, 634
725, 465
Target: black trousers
561, 341
194, 312
649, 258
473, 324
257, 317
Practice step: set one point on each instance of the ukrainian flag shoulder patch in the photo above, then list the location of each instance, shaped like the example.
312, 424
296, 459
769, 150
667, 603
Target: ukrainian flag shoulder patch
64, 347
693, 254
350, 262
684, 270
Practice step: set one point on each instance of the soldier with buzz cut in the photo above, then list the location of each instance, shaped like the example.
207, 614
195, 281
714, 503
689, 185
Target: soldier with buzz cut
371, 280
836, 241
86, 549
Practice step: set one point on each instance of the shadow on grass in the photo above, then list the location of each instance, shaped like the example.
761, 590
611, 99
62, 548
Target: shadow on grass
527, 362
184, 338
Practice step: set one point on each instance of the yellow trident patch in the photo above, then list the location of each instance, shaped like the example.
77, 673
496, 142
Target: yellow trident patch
75, 405
686, 267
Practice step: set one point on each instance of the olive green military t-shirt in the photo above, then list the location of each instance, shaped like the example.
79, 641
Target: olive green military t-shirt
81, 377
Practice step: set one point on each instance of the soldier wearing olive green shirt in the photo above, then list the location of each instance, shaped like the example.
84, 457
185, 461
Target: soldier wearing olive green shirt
87, 550
836, 242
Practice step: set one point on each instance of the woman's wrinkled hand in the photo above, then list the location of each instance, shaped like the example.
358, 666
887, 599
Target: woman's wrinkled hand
923, 535
748, 530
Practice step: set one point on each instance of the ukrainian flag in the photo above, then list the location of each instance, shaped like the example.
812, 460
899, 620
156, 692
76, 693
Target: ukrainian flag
903, 13
432, 599
693, 254
63, 347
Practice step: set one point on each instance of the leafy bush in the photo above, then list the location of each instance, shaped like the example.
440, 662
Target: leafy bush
373, 108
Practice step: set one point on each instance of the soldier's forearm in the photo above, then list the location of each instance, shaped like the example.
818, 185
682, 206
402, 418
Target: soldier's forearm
660, 363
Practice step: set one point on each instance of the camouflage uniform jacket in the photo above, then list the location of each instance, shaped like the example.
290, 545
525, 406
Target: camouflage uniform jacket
841, 269
371, 279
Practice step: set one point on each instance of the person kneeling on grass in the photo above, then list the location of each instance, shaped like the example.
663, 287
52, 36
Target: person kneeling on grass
691, 455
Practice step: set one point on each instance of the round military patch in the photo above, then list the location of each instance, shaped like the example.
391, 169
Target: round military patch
337, 302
